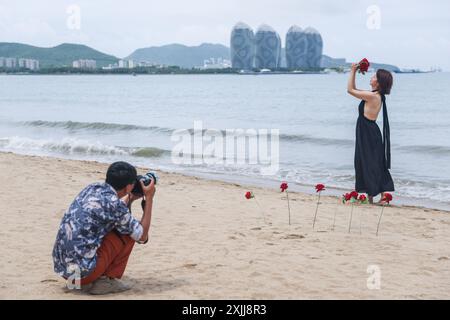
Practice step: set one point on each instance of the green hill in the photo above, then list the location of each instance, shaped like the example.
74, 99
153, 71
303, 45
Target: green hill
62, 55
181, 55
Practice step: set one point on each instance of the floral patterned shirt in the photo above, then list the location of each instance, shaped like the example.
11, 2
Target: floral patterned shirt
95, 212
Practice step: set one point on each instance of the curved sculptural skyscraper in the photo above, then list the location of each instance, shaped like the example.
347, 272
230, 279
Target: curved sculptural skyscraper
296, 48
315, 48
242, 47
268, 48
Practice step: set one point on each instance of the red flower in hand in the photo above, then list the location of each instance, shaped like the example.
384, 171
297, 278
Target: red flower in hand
320, 187
362, 198
363, 66
354, 194
249, 195
387, 198
284, 186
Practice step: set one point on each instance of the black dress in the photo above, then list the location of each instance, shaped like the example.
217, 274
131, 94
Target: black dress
373, 154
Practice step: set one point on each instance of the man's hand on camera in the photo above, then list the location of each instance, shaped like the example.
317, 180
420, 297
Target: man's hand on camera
149, 191
134, 197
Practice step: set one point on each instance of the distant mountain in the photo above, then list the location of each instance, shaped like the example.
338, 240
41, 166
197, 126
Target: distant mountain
181, 55
388, 67
62, 55
189, 57
328, 62
172, 54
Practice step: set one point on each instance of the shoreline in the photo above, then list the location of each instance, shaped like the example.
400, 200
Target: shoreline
273, 185
208, 242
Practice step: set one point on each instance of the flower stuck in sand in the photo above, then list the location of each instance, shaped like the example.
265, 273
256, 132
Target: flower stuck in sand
351, 197
284, 187
249, 195
363, 199
387, 198
319, 188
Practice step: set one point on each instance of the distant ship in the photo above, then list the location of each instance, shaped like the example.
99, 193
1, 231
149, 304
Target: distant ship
432, 70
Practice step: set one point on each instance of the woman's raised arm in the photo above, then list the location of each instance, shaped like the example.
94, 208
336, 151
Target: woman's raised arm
351, 87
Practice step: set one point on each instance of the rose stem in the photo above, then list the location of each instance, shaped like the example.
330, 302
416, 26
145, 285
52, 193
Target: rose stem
317, 208
351, 217
379, 221
289, 207
260, 208
360, 221
334, 220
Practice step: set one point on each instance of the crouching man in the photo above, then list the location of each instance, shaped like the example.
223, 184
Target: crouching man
98, 232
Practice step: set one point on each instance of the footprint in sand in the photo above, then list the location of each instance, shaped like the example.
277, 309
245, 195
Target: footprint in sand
189, 265
256, 229
48, 280
443, 258
294, 236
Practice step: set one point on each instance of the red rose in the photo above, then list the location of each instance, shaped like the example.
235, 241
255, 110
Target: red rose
284, 186
387, 197
364, 65
249, 195
354, 194
362, 198
347, 197
320, 187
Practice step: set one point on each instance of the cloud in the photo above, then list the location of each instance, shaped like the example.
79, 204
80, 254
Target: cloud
408, 28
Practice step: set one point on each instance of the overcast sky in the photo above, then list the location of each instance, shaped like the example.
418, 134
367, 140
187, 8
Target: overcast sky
412, 33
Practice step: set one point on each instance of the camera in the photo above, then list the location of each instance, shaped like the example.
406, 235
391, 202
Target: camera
146, 179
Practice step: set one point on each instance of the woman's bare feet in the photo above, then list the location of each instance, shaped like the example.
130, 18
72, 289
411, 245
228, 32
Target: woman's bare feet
382, 202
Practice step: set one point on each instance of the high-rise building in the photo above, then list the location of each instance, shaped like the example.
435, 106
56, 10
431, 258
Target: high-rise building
242, 47
296, 48
268, 48
84, 64
315, 48
10, 62
123, 64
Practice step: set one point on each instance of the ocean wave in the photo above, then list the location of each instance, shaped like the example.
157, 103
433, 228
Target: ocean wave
98, 126
441, 150
77, 146
300, 138
316, 140
104, 126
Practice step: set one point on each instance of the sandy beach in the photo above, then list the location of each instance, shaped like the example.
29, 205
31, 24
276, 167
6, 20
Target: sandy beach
209, 242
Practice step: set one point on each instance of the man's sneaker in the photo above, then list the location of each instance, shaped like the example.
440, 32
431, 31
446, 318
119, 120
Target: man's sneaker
105, 285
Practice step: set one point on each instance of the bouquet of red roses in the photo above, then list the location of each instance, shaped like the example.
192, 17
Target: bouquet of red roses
363, 66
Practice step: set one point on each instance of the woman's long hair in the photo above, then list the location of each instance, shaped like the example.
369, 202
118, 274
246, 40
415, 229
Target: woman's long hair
385, 81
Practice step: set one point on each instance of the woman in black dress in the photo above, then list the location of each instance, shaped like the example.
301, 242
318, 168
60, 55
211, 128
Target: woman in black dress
373, 149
